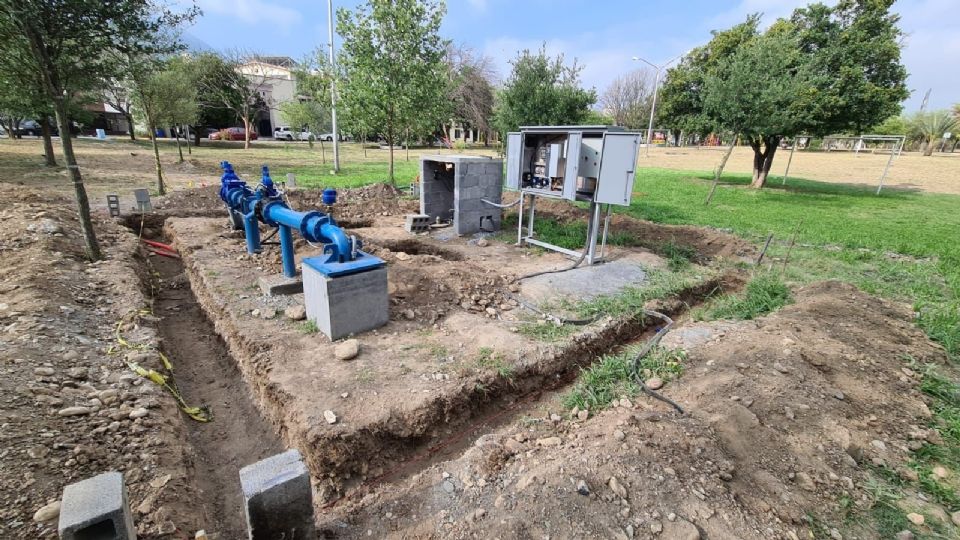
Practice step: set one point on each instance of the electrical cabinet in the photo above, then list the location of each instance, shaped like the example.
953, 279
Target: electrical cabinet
577, 163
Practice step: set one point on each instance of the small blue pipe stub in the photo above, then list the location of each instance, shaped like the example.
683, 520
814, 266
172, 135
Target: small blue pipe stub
329, 196
362, 263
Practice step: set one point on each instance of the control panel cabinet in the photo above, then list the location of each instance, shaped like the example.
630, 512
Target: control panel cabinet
577, 163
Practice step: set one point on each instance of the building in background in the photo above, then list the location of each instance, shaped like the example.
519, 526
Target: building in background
273, 78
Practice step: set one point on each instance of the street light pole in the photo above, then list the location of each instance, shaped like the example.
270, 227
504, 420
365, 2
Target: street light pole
333, 91
656, 87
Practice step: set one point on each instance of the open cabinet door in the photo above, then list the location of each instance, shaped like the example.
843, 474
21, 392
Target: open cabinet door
617, 170
514, 153
574, 139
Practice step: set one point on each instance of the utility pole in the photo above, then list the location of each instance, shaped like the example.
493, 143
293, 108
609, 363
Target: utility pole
656, 86
333, 91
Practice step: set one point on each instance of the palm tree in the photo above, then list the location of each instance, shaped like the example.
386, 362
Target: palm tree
929, 127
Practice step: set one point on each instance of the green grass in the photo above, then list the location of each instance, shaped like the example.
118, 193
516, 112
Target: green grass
354, 174
765, 293
308, 327
612, 377
848, 218
489, 359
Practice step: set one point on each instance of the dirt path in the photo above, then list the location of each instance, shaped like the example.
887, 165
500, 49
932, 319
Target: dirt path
207, 374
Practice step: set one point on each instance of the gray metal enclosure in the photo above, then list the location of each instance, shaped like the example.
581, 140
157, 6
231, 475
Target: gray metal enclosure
454, 188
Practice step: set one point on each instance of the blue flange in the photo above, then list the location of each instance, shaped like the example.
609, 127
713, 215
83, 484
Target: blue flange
363, 262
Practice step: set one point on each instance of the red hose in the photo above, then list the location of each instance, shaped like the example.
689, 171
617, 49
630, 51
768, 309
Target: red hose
164, 253
158, 244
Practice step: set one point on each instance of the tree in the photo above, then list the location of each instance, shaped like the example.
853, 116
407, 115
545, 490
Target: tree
930, 126
311, 109
541, 91
117, 94
22, 98
471, 90
308, 114
894, 125
759, 92
64, 42
627, 99
163, 95
221, 84
394, 75
841, 63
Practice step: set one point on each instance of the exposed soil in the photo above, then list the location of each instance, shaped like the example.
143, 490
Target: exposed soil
238, 435
785, 417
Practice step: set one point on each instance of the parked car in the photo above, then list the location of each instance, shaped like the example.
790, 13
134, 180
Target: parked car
210, 131
326, 137
284, 133
232, 134
29, 127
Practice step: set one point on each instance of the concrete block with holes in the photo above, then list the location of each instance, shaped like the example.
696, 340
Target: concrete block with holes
454, 188
278, 498
96, 508
417, 223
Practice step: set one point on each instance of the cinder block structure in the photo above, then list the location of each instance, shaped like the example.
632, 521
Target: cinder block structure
96, 509
345, 304
454, 187
278, 499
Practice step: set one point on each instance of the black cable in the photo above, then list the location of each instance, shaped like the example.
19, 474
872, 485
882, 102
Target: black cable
651, 343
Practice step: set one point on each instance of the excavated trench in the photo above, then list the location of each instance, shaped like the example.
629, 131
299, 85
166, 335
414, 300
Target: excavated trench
207, 374
399, 447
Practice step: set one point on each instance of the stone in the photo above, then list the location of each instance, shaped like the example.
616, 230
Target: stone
879, 445
654, 383
44, 371
583, 488
619, 435
940, 472
296, 313
347, 349
483, 242
805, 481
139, 412
583, 415
71, 355
278, 498
617, 488
915, 518
97, 507
681, 529
656, 527
549, 441
448, 486
74, 411
330, 416
268, 313
955, 518
780, 367
905, 535
47, 512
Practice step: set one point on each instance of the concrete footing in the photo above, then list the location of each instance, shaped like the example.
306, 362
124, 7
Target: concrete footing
96, 508
278, 498
345, 305
278, 285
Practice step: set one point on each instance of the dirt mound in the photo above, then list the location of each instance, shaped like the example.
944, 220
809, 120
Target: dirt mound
359, 204
786, 416
71, 410
185, 201
705, 242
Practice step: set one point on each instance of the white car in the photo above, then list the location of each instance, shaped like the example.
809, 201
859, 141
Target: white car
284, 133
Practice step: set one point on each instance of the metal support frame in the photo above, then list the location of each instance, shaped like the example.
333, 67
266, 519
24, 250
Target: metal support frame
593, 231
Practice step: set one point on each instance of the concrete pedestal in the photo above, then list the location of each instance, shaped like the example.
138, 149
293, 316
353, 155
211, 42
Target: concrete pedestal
348, 304
278, 499
96, 508
279, 285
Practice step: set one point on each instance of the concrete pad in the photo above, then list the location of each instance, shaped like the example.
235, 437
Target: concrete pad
345, 305
280, 285
96, 508
278, 498
585, 282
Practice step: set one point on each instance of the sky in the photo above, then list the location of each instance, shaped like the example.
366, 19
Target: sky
602, 35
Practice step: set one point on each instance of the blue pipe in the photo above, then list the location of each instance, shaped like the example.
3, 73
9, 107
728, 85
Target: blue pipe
314, 227
286, 252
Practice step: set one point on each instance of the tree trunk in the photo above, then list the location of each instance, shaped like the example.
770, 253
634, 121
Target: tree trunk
48, 158
406, 144
186, 139
929, 148
246, 133
390, 144
323, 152
161, 189
130, 129
83, 204
176, 135
762, 160
196, 136
363, 143
719, 171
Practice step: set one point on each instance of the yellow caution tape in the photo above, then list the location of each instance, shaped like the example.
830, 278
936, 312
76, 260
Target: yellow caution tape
200, 414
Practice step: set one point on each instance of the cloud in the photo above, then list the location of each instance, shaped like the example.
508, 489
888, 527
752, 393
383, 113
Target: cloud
930, 48
253, 12
478, 5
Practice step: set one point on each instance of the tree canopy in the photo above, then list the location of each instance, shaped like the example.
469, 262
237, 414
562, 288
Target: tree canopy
395, 78
824, 70
542, 91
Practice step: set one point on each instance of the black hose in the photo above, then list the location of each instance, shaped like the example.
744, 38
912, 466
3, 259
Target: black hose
651, 343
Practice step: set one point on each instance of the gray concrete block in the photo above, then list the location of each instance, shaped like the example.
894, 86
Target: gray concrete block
416, 223
348, 304
96, 509
278, 498
280, 285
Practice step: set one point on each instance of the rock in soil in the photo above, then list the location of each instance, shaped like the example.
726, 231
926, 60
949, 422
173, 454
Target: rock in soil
48, 512
296, 313
347, 350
